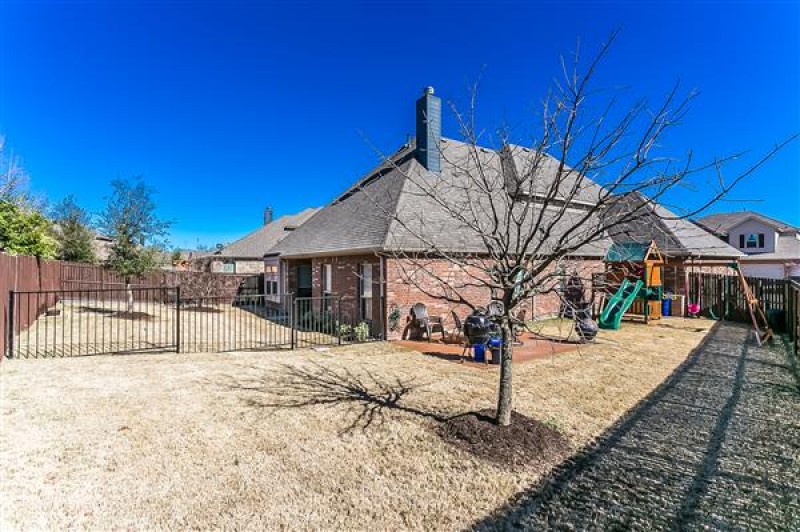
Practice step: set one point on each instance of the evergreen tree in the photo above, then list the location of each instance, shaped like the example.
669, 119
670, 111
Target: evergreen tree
73, 233
137, 232
25, 231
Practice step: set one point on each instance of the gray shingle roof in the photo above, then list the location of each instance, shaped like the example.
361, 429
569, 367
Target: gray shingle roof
254, 245
356, 221
389, 210
674, 236
723, 222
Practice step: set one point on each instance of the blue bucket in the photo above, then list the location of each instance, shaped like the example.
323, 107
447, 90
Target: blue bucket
479, 352
666, 307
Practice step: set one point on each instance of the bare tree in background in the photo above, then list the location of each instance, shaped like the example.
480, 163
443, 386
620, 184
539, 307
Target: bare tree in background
512, 221
12, 175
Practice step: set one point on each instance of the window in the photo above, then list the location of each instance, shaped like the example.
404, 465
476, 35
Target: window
271, 288
228, 267
365, 291
327, 279
271, 268
752, 241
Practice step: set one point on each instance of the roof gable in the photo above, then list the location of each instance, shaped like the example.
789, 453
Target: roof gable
724, 222
255, 244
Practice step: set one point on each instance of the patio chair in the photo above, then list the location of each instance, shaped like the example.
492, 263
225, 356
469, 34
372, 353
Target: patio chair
494, 308
519, 327
425, 323
456, 334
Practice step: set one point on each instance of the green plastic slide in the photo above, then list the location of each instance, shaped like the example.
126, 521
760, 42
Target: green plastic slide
611, 316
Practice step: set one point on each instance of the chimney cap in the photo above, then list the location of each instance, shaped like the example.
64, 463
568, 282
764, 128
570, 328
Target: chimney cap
427, 90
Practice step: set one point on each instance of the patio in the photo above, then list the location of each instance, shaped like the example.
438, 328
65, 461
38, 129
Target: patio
532, 348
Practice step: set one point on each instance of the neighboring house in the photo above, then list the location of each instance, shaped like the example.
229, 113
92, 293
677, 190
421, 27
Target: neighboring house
246, 255
353, 247
771, 247
102, 246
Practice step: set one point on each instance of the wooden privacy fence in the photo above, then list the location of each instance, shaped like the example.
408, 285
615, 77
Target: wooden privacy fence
25, 273
793, 312
721, 297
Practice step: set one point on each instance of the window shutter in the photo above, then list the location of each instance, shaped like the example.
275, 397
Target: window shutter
761, 240
741, 241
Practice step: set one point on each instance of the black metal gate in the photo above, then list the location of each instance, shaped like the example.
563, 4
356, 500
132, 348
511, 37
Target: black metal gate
90, 322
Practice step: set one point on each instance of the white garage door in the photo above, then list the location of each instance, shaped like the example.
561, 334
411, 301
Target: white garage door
768, 271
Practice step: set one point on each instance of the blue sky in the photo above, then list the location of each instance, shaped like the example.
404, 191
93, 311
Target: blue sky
227, 109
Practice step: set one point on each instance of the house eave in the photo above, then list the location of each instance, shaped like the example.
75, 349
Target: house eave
326, 253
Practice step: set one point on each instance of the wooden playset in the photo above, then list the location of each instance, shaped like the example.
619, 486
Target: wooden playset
637, 269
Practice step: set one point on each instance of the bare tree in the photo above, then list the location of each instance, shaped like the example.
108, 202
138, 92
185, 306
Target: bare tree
511, 221
12, 175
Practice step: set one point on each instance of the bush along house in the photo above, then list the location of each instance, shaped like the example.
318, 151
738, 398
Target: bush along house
358, 249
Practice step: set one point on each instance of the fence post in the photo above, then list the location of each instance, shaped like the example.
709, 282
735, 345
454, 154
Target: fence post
177, 318
292, 320
10, 324
786, 304
339, 320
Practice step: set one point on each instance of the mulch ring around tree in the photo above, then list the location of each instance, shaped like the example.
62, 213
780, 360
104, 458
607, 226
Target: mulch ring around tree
209, 310
525, 444
133, 316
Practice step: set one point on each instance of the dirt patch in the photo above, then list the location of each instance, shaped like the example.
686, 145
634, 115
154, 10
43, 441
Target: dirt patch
133, 316
525, 444
209, 310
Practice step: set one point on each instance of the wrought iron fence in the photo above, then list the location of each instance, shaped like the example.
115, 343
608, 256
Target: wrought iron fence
235, 323
331, 320
86, 322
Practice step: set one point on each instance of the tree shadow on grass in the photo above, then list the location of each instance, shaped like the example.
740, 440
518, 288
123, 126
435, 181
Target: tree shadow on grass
710, 448
366, 397
369, 399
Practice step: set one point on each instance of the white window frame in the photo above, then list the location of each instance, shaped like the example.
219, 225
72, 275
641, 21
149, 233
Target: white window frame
327, 279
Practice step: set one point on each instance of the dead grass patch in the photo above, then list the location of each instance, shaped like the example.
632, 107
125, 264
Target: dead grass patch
245, 441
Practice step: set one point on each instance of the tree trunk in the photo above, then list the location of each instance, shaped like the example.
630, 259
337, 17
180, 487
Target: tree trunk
130, 295
504, 392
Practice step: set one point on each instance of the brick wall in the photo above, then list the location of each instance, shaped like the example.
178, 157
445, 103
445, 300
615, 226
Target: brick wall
345, 281
403, 293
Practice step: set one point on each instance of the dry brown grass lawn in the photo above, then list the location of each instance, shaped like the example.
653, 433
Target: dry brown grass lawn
202, 441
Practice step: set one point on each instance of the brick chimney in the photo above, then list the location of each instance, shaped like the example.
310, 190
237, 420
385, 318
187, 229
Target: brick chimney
429, 130
267, 215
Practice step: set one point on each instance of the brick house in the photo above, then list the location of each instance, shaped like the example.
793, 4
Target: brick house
357, 245
246, 255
